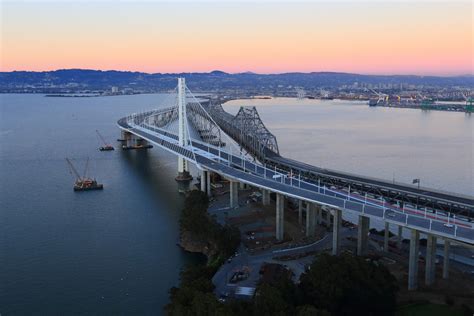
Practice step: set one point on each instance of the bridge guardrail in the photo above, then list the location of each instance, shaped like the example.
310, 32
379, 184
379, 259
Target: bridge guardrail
349, 202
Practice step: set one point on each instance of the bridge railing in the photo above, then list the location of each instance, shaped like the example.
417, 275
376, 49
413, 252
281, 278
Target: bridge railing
222, 156
301, 182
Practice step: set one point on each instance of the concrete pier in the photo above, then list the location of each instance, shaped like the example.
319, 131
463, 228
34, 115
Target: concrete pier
400, 237
203, 181
280, 216
265, 197
319, 215
413, 260
300, 212
447, 245
208, 183
362, 235
183, 171
328, 218
234, 194
243, 186
126, 136
336, 231
386, 236
430, 270
310, 219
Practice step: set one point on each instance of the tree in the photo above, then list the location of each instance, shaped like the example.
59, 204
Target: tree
194, 216
349, 285
310, 310
269, 301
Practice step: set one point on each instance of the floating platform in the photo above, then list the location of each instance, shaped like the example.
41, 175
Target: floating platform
87, 185
136, 147
106, 148
184, 177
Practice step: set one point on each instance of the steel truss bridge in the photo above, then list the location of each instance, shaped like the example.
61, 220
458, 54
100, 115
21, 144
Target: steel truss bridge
242, 149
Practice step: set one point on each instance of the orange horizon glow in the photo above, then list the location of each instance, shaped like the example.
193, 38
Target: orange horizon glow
359, 37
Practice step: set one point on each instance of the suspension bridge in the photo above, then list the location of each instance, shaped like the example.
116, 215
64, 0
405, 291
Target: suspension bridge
241, 149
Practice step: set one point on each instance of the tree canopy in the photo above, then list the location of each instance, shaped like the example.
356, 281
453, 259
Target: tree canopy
348, 285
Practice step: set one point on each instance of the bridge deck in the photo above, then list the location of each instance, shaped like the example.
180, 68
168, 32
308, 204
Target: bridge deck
459, 199
433, 200
234, 167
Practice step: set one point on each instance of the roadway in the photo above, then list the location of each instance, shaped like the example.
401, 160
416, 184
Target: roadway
459, 199
447, 202
234, 167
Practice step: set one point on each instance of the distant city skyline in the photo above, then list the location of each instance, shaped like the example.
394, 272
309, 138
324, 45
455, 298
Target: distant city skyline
417, 38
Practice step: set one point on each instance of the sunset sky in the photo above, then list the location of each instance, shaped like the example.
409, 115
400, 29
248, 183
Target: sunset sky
373, 37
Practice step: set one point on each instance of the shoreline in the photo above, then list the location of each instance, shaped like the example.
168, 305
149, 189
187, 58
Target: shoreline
441, 107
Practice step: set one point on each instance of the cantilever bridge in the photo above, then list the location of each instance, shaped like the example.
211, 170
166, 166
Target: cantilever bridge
241, 149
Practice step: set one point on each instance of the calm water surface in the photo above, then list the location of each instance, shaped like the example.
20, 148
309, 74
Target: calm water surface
391, 144
102, 252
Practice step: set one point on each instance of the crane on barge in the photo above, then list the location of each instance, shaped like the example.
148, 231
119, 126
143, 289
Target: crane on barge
107, 146
83, 183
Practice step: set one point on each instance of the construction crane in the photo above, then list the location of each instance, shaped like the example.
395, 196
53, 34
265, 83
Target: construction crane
83, 183
74, 170
86, 167
107, 146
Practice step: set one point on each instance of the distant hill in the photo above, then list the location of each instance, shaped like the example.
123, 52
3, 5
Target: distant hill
86, 79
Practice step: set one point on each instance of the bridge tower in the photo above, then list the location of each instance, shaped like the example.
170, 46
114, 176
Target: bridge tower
183, 167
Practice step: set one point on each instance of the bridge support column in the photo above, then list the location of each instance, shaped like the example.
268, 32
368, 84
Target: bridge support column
243, 186
234, 194
280, 216
310, 219
386, 236
183, 171
400, 237
447, 245
362, 235
265, 197
336, 231
319, 215
300, 212
413, 260
203, 181
208, 183
328, 218
124, 136
430, 269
